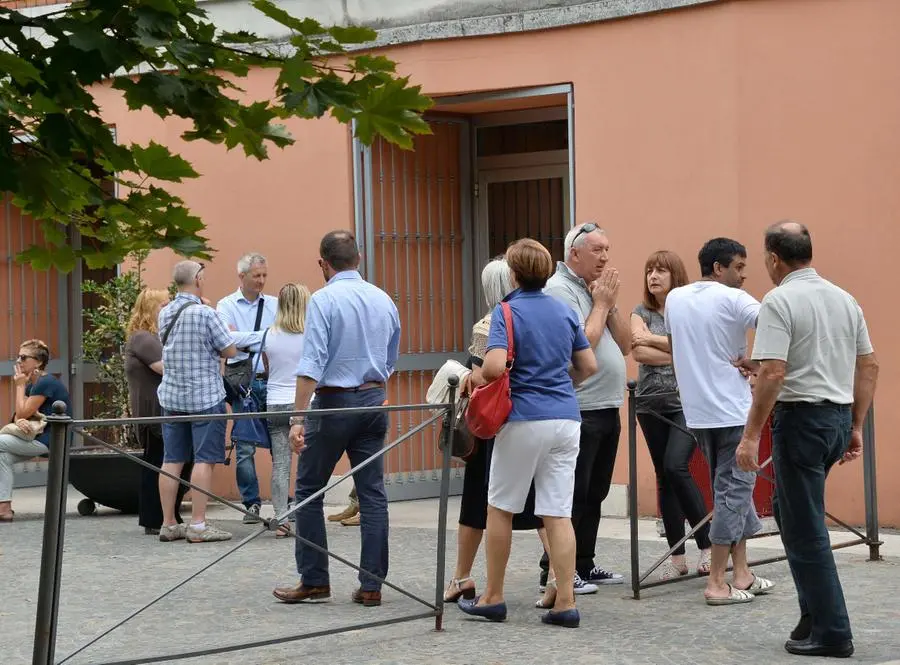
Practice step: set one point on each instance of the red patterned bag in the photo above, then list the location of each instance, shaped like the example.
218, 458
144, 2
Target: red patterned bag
490, 404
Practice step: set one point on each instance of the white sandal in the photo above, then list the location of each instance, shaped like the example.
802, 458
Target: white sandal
670, 571
704, 563
736, 597
540, 604
468, 594
760, 586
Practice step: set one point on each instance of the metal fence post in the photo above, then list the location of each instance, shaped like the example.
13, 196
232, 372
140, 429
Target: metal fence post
870, 485
54, 538
633, 492
442, 508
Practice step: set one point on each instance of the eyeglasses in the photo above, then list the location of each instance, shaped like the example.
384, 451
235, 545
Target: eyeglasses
23, 357
590, 227
199, 270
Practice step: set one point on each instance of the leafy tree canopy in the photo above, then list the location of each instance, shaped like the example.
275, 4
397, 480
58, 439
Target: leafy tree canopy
59, 157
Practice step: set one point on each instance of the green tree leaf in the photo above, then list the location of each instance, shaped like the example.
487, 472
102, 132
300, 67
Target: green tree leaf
62, 164
157, 162
18, 68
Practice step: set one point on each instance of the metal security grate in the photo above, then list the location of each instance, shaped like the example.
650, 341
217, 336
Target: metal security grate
413, 230
527, 209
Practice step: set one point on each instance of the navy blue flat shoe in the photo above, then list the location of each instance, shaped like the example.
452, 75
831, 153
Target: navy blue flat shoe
495, 612
566, 618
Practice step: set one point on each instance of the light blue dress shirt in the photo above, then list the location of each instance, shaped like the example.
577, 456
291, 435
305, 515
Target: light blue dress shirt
235, 310
352, 333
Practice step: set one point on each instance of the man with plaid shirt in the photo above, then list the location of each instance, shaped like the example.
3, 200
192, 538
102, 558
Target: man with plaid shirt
194, 339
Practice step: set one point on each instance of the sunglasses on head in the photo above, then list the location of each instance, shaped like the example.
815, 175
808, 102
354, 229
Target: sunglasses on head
590, 227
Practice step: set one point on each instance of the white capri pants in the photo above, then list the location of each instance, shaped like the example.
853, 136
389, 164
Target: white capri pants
545, 450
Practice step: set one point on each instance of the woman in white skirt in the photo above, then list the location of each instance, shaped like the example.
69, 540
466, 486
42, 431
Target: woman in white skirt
540, 439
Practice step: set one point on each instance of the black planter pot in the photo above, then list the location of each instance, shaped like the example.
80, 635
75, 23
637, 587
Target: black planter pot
106, 478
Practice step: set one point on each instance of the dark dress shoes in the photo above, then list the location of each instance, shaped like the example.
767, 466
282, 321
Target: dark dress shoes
566, 618
366, 598
809, 648
803, 629
301, 593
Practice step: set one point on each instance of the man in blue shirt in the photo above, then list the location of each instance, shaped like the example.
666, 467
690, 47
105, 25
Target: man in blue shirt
351, 347
248, 313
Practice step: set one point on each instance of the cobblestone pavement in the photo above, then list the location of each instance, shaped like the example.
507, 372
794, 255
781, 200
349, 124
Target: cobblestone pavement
111, 569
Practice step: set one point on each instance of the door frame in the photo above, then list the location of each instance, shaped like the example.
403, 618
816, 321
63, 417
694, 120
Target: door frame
486, 178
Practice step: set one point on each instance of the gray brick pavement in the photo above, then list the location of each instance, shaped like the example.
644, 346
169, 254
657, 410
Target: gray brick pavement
111, 568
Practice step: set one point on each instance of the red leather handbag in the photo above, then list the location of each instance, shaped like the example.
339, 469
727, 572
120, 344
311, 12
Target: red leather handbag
490, 404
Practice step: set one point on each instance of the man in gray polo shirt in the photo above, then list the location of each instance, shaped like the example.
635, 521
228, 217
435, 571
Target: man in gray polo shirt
588, 286
818, 371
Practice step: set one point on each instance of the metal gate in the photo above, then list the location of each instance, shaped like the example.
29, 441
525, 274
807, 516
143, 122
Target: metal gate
34, 303
413, 220
43, 305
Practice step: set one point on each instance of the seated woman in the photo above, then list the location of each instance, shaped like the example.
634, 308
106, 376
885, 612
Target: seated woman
35, 391
540, 439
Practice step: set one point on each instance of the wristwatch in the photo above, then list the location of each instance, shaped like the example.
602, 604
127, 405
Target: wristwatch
295, 420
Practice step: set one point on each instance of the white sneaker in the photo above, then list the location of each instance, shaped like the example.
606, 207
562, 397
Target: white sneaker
209, 534
168, 534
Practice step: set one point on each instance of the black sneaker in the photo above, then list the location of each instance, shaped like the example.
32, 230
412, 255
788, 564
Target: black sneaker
252, 517
600, 576
582, 587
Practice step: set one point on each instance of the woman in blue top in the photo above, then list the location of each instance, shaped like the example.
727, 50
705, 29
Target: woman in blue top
540, 440
36, 391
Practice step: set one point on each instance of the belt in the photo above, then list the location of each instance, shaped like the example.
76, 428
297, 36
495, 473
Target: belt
262, 375
330, 390
810, 405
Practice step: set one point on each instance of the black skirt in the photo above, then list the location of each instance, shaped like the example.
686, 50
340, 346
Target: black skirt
473, 507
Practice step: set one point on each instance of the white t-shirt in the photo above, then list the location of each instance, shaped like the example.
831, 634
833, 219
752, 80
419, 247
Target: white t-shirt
708, 323
284, 351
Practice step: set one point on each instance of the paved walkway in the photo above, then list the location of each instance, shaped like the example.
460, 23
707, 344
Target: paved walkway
111, 569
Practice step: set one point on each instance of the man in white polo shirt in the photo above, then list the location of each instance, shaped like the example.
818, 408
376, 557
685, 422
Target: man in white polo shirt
707, 323
818, 371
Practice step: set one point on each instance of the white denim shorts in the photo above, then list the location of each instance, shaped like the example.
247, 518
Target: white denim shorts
545, 450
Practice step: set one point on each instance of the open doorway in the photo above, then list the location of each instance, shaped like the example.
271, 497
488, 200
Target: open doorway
498, 166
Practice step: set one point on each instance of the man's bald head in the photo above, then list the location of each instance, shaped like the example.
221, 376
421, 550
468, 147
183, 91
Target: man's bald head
790, 241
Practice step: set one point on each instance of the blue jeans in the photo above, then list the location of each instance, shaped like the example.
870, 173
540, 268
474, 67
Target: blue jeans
247, 482
327, 438
807, 440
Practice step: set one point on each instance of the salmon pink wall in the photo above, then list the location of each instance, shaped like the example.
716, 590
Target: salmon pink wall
719, 120
281, 207
715, 120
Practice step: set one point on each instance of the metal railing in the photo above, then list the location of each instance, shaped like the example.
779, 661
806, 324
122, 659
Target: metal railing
639, 579
62, 428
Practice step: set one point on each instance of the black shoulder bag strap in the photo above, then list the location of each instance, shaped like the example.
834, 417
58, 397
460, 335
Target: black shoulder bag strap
259, 313
165, 336
262, 347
